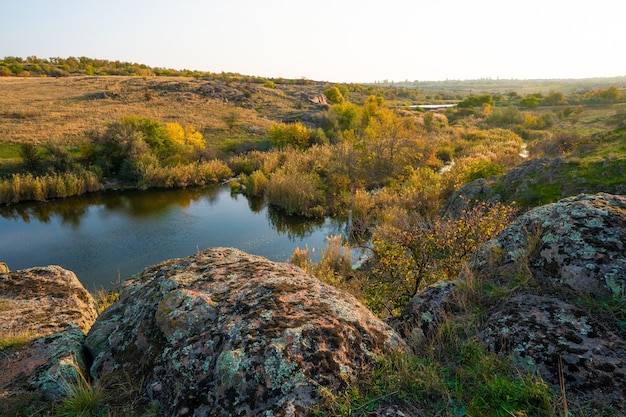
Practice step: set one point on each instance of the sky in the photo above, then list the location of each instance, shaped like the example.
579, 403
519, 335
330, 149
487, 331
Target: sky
331, 40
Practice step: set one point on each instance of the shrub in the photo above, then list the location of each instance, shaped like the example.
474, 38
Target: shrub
297, 194
255, 184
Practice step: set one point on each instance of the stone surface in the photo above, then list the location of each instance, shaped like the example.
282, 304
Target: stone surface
548, 282
227, 333
4, 267
540, 331
577, 244
44, 300
422, 316
561, 263
50, 308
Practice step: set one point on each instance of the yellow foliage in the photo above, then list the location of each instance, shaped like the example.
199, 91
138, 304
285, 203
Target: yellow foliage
185, 139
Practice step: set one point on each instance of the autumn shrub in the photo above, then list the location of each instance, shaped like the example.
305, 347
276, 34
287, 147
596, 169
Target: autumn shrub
296, 193
195, 174
255, 184
411, 252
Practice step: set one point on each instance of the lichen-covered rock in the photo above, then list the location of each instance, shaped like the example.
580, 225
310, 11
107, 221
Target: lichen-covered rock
540, 331
577, 244
559, 264
425, 312
224, 333
50, 311
465, 197
44, 366
4, 268
44, 300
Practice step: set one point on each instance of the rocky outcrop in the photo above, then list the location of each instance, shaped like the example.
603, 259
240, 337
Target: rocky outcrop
50, 311
511, 186
556, 338
576, 246
557, 283
227, 333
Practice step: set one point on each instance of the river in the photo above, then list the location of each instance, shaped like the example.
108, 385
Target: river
109, 236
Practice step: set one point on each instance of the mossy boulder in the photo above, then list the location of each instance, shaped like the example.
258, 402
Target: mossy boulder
227, 333
44, 315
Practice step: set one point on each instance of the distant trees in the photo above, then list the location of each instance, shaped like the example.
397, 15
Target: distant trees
530, 101
476, 101
555, 98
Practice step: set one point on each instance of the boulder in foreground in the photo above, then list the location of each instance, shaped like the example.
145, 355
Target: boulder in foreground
50, 310
227, 333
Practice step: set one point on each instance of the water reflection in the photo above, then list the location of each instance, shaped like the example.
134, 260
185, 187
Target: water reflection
101, 235
132, 203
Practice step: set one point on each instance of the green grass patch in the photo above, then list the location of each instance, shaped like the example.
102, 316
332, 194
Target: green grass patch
468, 382
9, 151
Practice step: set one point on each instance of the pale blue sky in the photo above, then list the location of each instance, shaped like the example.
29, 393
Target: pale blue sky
331, 40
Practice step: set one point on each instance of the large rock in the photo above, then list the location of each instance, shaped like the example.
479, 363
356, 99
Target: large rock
421, 318
52, 311
556, 338
576, 245
553, 293
224, 333
562, 263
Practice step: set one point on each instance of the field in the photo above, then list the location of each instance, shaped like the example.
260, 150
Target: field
42, 110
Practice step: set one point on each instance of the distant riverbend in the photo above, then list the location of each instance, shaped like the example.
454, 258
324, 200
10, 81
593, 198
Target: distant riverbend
110, 235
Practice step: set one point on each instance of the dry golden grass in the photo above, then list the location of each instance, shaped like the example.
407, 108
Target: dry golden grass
62, 110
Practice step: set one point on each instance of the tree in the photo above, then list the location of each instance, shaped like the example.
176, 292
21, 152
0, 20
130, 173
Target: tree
530, 102
31, 158
285, 135
555, 98
232, 119
611, 94
476, 101
334, 95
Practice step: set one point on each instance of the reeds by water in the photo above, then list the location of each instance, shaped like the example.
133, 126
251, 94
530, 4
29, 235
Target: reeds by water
29, 187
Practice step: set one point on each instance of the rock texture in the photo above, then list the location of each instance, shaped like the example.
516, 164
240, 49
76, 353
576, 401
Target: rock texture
49, 307
576, 245
227, 333
422, 316
541, 331
560, 275
571, 256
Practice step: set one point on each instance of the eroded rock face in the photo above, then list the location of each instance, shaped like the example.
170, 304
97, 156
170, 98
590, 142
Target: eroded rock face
227, 333
556, 268
576, 244
50, 308
540, 331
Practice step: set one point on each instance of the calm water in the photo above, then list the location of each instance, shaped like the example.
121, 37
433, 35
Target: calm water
104, 236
